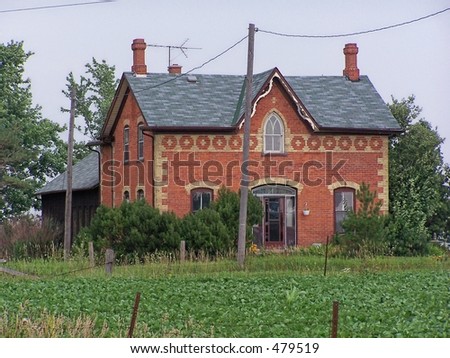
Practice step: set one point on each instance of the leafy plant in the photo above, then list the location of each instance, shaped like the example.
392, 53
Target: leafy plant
364, 229
227, 205
132, 230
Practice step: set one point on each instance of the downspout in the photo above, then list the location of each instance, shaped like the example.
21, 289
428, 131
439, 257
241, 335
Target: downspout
153, 161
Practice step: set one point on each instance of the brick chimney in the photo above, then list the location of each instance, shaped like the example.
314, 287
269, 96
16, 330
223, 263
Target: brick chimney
174, 69
351, 70
139, 67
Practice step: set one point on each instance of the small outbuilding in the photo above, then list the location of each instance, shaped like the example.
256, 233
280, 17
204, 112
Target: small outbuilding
85, 195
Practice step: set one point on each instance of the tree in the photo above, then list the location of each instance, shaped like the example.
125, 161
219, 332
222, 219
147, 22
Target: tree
31, 149
227, 205
364, 229
416, 180
95, 92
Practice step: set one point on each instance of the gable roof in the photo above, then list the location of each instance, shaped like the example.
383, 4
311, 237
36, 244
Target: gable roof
331, 103
84, 177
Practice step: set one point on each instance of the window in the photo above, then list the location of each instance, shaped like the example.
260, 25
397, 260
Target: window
140, 143
274, 135
140, 194
201, 198
126, 196
126, 144
344, 201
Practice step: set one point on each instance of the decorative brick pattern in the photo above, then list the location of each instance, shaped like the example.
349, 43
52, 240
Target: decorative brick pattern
203, 142
253, 142
169, 142
376, 143
344, 143
235, 142
313, 143
360, 143
186, 142
298, 143
329, 142
219, 142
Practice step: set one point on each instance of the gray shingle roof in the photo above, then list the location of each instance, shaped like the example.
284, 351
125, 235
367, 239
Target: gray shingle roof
218, 100
335, 102
84, 176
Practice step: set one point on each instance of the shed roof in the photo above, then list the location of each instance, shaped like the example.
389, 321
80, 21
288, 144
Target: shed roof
84, 177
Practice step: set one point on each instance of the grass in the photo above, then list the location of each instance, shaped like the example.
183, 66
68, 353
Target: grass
160, 265
277, 295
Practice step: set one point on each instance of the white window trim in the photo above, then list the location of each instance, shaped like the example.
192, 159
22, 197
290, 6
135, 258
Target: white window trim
282, 149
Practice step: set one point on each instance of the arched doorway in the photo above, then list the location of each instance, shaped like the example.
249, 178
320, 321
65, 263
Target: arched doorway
278, 227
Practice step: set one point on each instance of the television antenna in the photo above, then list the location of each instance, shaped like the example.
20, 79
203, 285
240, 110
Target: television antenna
181, 47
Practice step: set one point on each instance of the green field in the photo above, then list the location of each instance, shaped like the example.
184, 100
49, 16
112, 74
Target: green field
276, 296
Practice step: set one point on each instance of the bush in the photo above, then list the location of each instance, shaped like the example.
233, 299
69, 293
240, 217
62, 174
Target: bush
204, 231
27, 237
364, 230
133, 229
137, 229
228, 204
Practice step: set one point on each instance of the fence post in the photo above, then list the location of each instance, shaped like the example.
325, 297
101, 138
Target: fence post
134, 314
91, 254
182, 251
109, 261
335, 320
326, 258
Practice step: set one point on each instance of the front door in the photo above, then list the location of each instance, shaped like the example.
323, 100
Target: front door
278, 226
274, 221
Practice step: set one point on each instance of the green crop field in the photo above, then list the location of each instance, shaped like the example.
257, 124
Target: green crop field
378, 298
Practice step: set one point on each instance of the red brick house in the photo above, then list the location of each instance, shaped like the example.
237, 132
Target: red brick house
175, 139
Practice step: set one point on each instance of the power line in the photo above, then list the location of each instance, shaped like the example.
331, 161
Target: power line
355, 33
55, 6
194, 68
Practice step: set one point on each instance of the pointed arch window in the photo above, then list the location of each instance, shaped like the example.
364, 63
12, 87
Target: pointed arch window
126, 196
140, 141
140, 194
274, 135
126, 144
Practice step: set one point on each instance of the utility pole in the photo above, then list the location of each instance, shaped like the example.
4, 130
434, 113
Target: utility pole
246, 149
68, 208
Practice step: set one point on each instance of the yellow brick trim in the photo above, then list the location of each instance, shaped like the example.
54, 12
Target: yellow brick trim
288, 136
202, 184
342, 184
384, 173
280, 181
158, 174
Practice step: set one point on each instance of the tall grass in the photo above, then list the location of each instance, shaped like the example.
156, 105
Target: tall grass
163, 265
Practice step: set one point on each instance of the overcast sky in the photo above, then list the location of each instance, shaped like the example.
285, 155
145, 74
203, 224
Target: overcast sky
412, 59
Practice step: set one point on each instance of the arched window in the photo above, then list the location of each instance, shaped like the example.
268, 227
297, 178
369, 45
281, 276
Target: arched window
140, 194
126, 144
274, 135
140, 144
200, 198
126, 196
344, 202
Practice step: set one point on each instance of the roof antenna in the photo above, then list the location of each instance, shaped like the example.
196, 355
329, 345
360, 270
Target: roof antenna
182, 48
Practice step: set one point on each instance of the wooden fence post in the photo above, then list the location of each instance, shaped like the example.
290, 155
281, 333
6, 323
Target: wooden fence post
326, 258
182, 251
109, 261
91, 254
335, 320
134, 315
